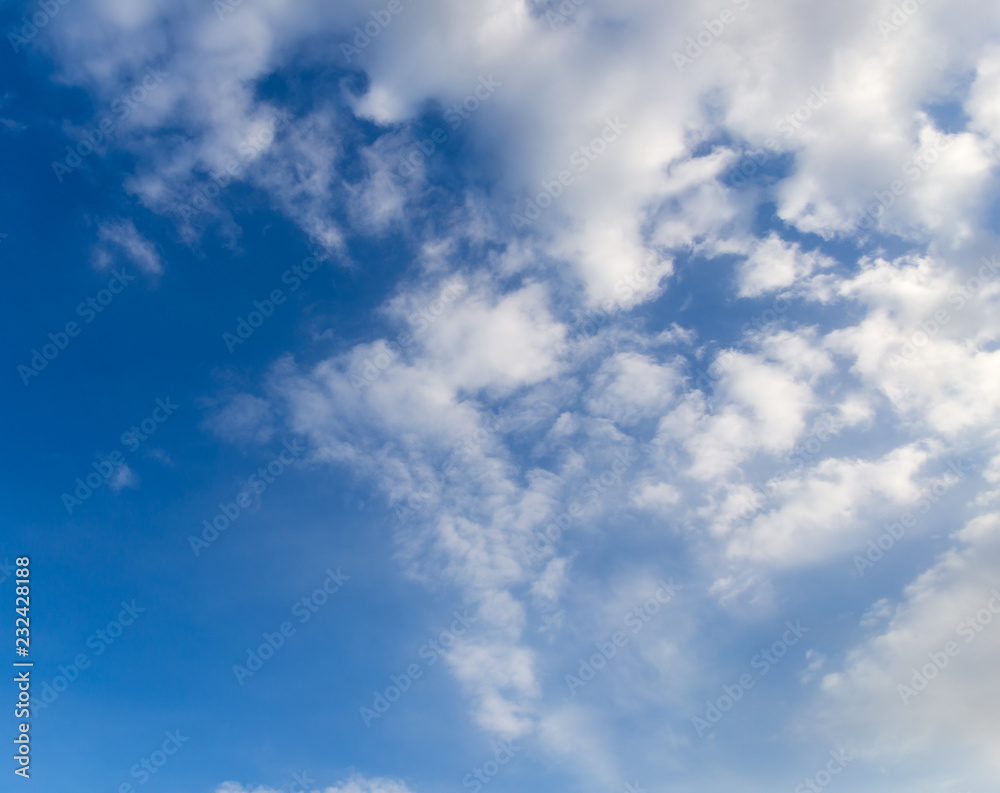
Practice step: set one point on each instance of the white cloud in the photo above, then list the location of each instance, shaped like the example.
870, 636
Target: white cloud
120, 236
773, 264
629, 387
123, 477
949, 603
356, 784
760, 403
242, 418
415, 411
825, 511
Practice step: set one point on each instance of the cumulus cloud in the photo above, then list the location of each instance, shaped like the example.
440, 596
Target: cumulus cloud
773, 264
489, 413
925, 677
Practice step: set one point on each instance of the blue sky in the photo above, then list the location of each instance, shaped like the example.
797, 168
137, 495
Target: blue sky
632, 417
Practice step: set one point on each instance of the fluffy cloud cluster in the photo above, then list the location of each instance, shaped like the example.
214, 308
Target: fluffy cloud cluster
833, 161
